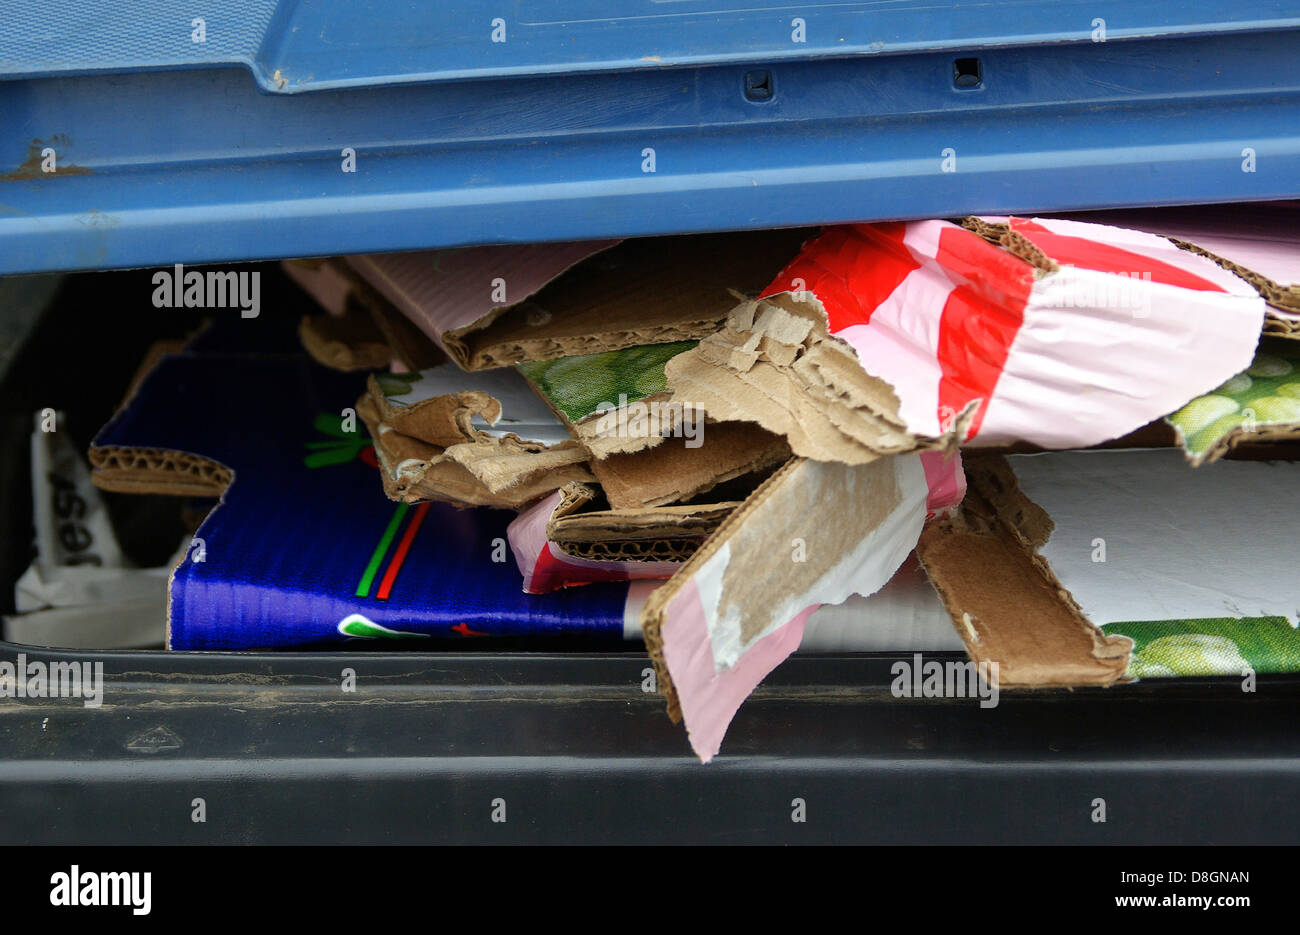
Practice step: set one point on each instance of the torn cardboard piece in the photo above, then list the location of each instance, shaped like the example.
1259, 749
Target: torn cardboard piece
617, 402
348, 341
674, 473
1060, 336
1261, 404
445, 406
775, 364
1256, 241
617, 406
1059, 561
568, 540
814, 533
498, 306
481, 439
1004, 599
503, 472
361, 330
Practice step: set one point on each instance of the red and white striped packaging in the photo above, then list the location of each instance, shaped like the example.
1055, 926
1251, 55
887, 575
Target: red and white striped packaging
1082, 334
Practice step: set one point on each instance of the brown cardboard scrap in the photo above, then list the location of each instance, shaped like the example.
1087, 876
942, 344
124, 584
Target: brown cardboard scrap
361, 329
672, 472
350, 341
504, 464
672, 423
497, 472
442, 420
645, 291
1004, 599
581, 527
775, 363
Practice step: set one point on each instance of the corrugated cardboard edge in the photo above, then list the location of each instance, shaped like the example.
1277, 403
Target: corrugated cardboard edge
674, 279
594, 435
1274, 293
775, 363
157, 471
663, 534
552, 348
120, 469
1001, 235
506, 355
546, 263
1005, 601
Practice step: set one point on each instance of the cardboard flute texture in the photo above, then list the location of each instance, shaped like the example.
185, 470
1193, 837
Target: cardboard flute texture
673, 473
498, 306
562, 542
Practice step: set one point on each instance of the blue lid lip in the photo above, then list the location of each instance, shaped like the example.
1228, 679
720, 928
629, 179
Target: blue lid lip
291, 46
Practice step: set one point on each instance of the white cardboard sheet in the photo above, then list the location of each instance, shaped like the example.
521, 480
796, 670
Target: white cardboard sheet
1179, 543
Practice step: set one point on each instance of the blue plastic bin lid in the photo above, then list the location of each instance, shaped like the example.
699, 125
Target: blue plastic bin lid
303, 45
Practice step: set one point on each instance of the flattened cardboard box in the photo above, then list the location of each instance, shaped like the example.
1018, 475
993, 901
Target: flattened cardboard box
498, 306
303, 548
660, 534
